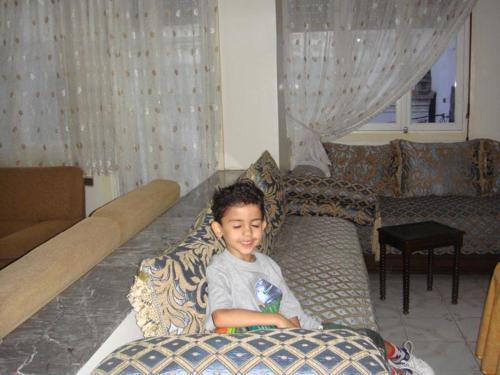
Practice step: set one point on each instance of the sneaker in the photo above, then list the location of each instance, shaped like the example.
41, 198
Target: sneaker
411, 364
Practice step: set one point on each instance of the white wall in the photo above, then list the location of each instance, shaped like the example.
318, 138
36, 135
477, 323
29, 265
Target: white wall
247, 32
485, 74
105, 189
248, 43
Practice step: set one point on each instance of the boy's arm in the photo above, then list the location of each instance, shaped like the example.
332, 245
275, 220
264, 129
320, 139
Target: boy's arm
246, 318
295, 321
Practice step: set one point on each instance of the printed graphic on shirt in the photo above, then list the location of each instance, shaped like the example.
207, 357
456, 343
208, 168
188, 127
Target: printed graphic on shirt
269, 297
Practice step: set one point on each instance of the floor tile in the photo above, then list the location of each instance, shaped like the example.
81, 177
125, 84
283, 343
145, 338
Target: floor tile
444, 334
386, 309
432, 329
467, 307
469, 327
458, 372
392, 329
446, 356
472, 347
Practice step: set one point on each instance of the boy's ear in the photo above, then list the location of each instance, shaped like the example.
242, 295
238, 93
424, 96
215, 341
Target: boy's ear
264, 224
216, 228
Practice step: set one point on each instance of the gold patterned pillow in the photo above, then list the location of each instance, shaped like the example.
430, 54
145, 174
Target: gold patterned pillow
267, 176
169, 294
492, 166
438, 168
371, 166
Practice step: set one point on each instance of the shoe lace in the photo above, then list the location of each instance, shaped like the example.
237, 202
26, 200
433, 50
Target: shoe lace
408, 346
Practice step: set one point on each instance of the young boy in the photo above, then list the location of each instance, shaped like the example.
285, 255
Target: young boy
246, 289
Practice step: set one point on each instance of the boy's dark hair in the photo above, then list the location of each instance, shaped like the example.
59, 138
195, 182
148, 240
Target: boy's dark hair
239, 193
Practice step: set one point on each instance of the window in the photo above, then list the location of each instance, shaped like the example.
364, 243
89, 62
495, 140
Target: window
438, 102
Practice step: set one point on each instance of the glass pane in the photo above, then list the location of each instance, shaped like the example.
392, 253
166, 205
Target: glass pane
433, 98
387, 116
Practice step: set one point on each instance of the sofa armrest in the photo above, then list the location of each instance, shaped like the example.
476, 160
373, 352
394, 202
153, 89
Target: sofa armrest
287, 351
32, 281
20, 242
138, 208
325, 196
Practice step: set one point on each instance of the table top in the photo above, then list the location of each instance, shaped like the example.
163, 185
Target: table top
420, 230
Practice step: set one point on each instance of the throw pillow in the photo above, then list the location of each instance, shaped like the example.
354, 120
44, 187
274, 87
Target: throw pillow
492, 173
267, 176
371, 166
438, 168
307, 170
325, 196
169, 294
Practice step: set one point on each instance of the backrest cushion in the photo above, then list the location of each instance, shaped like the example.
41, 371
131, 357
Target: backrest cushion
44, 193
169, 294
492, 170
267, 176
438, 168
371, 166
307, 170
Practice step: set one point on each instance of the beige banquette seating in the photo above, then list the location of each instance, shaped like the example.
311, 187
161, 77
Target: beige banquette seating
29, 283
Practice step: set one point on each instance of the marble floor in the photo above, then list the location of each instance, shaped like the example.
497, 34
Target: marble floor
443, 334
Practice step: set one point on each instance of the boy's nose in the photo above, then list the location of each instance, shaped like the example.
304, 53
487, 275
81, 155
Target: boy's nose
247, 230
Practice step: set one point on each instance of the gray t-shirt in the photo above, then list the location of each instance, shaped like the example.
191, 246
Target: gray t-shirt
258, 286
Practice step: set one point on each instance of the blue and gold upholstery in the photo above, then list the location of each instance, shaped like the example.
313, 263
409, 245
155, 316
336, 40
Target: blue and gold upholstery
438, 168
371, 166
169, 296
326, 196
169, 293
289, 351
492, 166
326, 269
267, 176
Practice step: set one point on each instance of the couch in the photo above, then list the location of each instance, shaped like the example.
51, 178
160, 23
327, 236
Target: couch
322, 262
456, 183
29, 283
35, 205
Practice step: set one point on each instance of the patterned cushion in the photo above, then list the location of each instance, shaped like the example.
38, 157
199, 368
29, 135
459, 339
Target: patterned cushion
438, 168
323, 265
479, 217
325, 196
291, 351
371, 166
307, 170
169, 294
492, 174
267, 176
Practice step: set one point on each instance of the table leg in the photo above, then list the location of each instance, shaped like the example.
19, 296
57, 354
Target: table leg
406, 281
382, 271
456, 274
430, 254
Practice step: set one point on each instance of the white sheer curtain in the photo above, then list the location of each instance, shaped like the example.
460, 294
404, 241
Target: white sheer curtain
114, 86
346, 60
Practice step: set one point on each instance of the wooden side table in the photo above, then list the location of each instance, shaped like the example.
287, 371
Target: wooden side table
426, 235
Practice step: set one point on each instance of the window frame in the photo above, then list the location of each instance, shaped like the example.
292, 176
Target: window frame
403, 105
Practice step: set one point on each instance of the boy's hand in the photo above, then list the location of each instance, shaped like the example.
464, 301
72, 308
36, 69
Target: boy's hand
283, 322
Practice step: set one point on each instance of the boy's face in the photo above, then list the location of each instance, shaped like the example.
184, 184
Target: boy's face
242, 227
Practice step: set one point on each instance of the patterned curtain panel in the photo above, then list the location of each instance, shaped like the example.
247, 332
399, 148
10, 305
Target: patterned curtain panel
116, 86
346, 60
